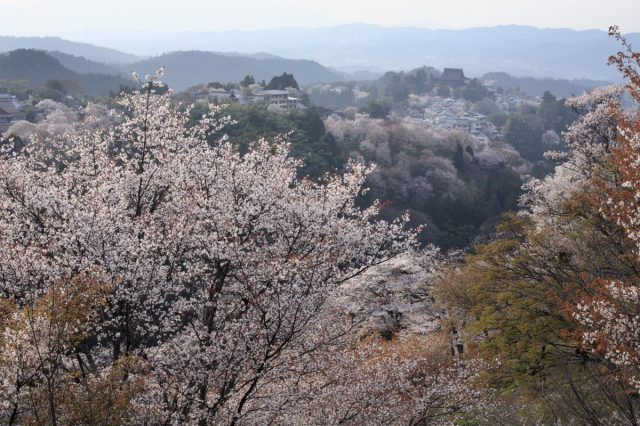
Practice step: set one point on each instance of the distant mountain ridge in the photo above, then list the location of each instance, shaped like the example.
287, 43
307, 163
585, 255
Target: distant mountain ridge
189, 68
184, 68
37, 67
517, 50
563, 61
83, 65
85, 50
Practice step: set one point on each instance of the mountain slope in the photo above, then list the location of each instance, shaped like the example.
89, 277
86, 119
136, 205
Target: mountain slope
185, 69
37, 67
82, 65
88, 51
537, 86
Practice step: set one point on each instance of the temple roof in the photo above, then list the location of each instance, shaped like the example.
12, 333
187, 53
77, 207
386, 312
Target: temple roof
453, 74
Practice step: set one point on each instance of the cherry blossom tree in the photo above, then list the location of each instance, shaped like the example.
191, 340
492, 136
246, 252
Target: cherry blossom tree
215, 270
609, 315
590, 140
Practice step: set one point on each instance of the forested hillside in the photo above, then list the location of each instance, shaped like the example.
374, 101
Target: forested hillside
37, 68
186, 69
537, 86
82, 65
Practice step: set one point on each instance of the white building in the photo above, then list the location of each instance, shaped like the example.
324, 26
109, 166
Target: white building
279, 98
219, 95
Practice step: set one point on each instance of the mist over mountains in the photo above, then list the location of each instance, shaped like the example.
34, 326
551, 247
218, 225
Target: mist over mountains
518, 50
85, 50
347, 52
184, 68
83, 65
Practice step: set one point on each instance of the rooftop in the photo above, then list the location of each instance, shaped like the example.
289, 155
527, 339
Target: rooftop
453, 74
272, 92
9, 106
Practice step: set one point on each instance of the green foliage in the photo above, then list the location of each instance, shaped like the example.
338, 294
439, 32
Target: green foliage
283, 82
523, 324
525, 127
57, 90
458, 156
397, 86
55, 85
334, 99
419, 80
474, 91
443, 91
248, 80
554, 113
524, 132
489, 194
511, 300
308, 137
379, 109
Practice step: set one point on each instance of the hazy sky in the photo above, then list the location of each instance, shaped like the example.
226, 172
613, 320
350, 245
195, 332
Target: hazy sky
93, 17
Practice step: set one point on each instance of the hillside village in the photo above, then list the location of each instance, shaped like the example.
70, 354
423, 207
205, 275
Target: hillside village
455, 114
431, 108
449, 112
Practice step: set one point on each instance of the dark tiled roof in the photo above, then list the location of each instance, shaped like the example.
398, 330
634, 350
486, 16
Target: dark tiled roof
8, 107
452, 74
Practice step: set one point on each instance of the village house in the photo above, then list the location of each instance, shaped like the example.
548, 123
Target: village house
217, 95
10, 111
460, 124
278, 98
